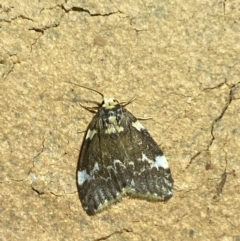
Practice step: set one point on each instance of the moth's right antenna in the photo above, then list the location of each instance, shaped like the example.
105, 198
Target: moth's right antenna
87, 88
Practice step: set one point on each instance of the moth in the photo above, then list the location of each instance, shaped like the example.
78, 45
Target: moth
119, 157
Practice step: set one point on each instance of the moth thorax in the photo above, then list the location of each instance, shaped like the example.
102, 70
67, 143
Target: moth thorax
112, 119
111, 115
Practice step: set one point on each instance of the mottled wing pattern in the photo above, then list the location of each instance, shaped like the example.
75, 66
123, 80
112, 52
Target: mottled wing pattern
119, 159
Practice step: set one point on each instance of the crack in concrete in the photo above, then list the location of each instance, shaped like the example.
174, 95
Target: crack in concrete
224, 8
5, 75
222, 183
80, 9
124, 230
42, 31
224, 175
42, 150
39, 193
32, 174
17, 17
39, 30
46, 27
218, 118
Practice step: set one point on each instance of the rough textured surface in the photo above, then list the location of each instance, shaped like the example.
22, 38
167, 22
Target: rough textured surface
182, 62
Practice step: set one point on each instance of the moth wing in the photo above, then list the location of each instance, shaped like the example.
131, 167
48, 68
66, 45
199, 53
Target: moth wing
149, 170
98, 184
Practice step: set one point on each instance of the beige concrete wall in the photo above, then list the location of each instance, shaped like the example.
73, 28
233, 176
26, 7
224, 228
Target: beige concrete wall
181, 59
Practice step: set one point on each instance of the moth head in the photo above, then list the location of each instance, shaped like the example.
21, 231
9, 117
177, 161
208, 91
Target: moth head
109, 103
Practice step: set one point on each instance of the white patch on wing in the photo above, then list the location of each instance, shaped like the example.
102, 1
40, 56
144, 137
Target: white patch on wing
138, 125
110, 167
161, 161
132, 183
116, 162
145, 158
119, 163
95, 168
82, 177
90, 134
131, 163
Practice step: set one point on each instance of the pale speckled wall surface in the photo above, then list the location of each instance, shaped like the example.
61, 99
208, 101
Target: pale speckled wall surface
181, 60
